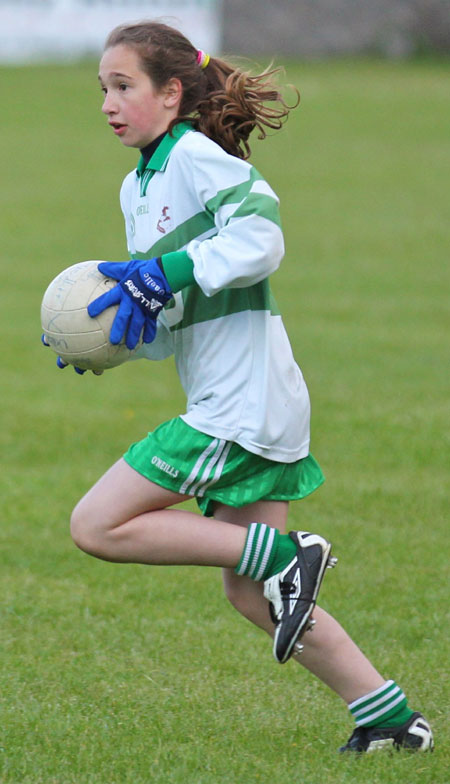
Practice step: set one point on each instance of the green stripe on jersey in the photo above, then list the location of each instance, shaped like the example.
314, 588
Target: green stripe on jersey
190, 229
144, 181
259, 204
198, 307
250, 203
203, 222
235, 194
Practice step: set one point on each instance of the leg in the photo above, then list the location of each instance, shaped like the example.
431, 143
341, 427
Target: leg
245, 594
332, 656
329, 653
124, 518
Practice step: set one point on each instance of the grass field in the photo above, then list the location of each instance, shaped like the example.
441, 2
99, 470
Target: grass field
125, 674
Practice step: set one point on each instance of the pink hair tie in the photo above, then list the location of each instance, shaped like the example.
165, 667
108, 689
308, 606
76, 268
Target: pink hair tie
202, 59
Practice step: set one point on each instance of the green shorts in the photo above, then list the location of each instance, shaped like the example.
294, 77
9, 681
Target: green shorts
181, 459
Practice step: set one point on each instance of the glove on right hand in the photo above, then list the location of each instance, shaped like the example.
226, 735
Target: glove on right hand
141, 293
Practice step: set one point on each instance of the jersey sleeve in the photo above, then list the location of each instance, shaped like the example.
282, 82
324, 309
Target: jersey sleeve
248, 245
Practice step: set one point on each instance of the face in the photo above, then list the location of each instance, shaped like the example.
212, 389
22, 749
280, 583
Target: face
137, 112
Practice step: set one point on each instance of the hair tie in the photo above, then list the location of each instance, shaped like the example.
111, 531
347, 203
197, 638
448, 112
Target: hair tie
202, 59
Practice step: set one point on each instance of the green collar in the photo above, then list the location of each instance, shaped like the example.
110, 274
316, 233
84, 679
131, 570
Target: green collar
160, 157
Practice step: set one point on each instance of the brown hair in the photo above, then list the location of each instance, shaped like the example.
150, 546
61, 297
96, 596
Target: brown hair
222, 101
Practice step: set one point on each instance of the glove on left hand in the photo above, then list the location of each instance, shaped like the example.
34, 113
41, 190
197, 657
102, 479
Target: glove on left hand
62, 364
141, 293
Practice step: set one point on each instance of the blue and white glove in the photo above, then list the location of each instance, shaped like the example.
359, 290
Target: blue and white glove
61, 364
141, 294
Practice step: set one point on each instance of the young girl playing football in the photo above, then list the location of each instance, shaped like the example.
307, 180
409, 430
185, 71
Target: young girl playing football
204, 235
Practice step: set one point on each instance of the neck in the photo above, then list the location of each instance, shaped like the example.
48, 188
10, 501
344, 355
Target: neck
150, 148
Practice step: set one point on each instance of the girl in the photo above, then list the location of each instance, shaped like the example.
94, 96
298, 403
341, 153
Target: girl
204, 235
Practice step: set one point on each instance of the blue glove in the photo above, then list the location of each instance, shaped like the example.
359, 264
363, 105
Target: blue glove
62, 364
141, 293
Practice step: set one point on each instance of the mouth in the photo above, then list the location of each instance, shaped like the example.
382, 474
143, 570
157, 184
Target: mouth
118, 128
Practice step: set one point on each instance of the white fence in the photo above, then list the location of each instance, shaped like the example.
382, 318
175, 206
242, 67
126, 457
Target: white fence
67, 29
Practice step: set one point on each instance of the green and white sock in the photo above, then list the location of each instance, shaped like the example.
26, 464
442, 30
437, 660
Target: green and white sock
384, 707
266, 552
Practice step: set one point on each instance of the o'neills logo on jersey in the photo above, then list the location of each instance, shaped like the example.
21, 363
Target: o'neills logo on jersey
163, 466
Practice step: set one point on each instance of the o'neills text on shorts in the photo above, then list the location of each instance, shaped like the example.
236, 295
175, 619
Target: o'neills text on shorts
163, 466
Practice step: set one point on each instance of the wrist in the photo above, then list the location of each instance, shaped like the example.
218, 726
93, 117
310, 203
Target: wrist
154, 280
178, 268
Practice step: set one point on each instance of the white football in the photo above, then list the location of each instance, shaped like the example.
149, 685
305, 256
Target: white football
69, 330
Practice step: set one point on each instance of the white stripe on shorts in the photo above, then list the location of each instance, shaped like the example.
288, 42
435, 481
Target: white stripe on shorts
219, 469
197, 467
209, 467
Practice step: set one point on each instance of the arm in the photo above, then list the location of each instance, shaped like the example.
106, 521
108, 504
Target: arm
248, 245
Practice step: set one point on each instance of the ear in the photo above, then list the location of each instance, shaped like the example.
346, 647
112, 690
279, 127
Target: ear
173, 92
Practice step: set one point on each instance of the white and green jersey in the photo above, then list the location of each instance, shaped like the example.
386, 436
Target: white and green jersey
231, 350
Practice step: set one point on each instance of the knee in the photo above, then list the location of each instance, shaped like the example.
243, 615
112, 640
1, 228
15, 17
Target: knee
83, 531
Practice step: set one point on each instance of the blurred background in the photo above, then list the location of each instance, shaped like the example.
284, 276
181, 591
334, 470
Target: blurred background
121, 674
304, 28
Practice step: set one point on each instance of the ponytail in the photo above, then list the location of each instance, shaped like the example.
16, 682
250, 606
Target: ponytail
222, 101
235, 105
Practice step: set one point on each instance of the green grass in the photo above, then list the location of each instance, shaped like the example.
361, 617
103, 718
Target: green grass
114, 674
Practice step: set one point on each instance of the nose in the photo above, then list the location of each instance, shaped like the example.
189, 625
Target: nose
109, 105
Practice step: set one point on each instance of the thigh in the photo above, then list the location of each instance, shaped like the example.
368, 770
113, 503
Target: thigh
273, 513
121, 494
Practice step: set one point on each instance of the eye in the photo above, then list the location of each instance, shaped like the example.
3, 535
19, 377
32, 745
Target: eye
123, 87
